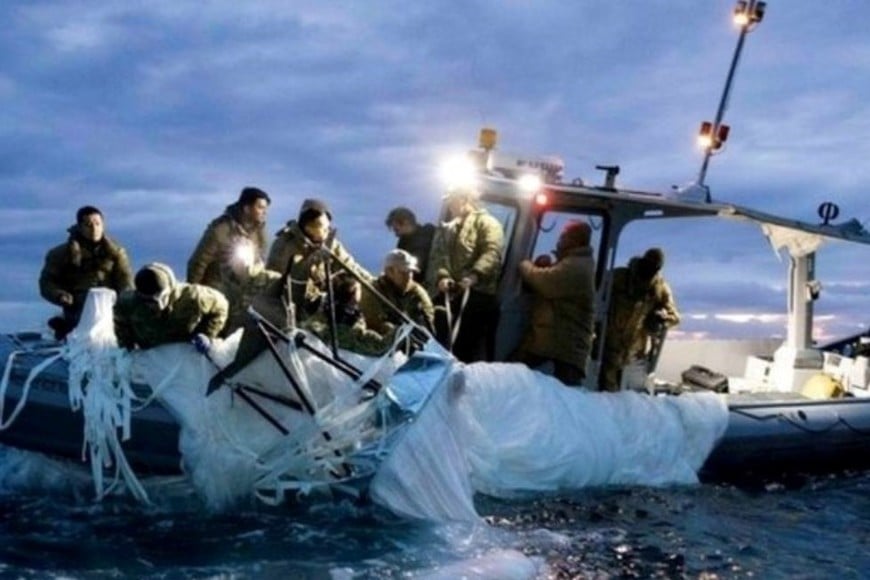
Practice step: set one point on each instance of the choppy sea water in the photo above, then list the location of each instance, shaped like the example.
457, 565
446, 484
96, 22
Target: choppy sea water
814, 527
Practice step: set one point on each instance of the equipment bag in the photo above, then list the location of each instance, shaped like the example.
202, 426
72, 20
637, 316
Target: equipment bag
698, 376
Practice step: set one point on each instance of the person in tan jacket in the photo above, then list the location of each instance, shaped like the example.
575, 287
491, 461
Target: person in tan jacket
641, 304
563, 309
467, 254
243, 224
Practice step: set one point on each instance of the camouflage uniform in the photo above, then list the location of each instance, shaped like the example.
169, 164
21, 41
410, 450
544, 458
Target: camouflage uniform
304, 263
243, 291
351, 334
415, 303
632, 301
193, 309
79, 265
208, 263
563, 309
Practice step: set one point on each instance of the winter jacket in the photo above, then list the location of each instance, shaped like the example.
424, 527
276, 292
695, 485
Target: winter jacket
79, 265
304, 263
242, 292
472, 244
193, 309
633, 301
563, 308
208, 263
415, 303
350, 335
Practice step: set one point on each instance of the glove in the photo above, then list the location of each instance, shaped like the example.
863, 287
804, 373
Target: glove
201, 343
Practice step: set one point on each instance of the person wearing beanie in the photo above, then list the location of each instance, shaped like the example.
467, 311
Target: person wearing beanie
300, 252
397, 285
467, 255
243, 223
563, 306
160, 310
88, 259
641, 307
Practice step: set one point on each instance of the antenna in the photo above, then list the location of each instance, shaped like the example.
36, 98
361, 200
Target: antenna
747, 15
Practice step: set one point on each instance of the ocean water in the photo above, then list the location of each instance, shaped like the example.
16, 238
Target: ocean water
805, 527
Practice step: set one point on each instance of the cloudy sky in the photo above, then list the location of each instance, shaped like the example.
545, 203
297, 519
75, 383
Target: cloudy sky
160, 112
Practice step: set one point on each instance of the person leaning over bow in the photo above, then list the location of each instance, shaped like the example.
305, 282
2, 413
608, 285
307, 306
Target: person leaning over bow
301, 251
397, 285
640, 302
467, 255
243, 223
412, 237
563, 307
161, 310
88, 259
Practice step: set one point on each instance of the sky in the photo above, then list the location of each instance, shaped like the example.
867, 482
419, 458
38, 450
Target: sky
160, 112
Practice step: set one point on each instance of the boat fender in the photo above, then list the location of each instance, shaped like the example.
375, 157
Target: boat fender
822, 386
698, 376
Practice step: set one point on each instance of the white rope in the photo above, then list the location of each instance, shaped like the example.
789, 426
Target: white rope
25, 391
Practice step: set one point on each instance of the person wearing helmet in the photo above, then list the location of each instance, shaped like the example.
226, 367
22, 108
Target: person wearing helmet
161, 310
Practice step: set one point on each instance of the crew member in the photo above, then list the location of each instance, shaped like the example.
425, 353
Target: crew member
88, 259
243, 222
412, 237
301, 252
641, 305
397, 285
161, 310
467, 258
564, 306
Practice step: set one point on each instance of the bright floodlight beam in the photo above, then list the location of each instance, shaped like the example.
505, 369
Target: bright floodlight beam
458, 172
747, 15
530, 183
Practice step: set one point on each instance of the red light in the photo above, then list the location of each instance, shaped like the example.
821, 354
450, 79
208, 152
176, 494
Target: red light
541, 199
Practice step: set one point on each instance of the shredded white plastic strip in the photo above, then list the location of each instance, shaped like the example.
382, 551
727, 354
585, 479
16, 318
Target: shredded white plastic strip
25, 391
99, 385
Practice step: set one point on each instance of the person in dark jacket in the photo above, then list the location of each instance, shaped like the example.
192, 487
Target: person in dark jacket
242, 225
88, 259
563, 309
412, 237
161, 310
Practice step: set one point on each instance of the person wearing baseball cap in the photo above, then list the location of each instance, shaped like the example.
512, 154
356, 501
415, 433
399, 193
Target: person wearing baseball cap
397, 285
